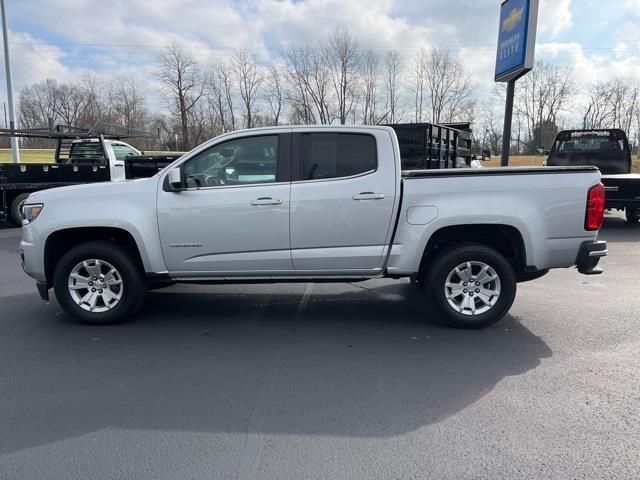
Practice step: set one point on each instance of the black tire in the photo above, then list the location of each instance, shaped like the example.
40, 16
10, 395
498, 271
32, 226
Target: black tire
448, 261
16, 209
632, 214
134, 287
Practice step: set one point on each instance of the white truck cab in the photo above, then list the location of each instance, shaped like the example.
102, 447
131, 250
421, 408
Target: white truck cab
114, 152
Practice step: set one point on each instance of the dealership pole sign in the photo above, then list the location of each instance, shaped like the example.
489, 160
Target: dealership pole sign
516, 39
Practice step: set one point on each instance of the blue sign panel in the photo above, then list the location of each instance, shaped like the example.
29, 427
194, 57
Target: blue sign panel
516, 39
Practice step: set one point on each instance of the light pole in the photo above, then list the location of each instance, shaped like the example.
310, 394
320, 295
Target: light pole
15, 148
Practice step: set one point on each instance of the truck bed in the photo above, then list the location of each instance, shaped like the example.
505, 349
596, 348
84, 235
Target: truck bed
44, 175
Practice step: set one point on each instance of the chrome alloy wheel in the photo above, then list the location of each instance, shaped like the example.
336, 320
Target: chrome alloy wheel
472, 288
95, 285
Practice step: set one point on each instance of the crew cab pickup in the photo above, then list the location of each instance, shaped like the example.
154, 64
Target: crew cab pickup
83, 161
312, 204
609, 151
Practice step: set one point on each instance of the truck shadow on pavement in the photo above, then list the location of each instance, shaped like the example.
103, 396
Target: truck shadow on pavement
366, 360
617, 230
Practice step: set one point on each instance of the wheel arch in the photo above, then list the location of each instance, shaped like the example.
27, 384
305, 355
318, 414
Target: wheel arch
506, 239
61, 241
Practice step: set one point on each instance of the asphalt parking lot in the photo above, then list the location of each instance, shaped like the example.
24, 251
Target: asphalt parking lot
326, 381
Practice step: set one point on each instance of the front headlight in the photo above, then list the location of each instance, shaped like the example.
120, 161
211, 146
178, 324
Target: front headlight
30, 212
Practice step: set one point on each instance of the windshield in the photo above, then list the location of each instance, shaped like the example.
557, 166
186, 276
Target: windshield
590, 144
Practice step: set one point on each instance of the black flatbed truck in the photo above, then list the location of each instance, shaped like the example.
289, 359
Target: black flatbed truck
81, 156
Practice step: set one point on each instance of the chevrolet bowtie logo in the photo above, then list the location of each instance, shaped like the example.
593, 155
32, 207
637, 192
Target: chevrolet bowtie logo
513, 19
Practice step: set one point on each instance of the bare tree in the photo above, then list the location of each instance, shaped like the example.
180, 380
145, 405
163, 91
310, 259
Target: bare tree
343, 60
227, 84
310, 81
128, 101
449, 87
597, 113
419, 68
624, 102
542, 95
95, 109
490, 127
249, 80
392, 73
71, 103
370, 66
274, 94
181, 78
38, 103
221, 96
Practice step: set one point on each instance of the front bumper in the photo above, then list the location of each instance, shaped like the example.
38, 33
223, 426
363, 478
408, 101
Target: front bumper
32, 252
589, 256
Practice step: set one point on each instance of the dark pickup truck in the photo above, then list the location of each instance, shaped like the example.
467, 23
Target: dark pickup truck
87, 159
609, 151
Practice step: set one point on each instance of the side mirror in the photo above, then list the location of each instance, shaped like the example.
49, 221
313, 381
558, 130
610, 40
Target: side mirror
141, 152
175, 179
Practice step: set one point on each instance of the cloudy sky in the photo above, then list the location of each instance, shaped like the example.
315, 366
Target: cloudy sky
64, 39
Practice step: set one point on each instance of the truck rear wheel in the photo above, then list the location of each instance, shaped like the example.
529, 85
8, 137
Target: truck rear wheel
99, 283
472, 286
16, 209
632, 214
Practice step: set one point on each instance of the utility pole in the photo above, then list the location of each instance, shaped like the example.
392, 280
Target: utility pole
15, 148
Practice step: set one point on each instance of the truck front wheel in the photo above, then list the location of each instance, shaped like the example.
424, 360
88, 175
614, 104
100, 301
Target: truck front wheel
472, 286
99, 283
632, 214
16, 209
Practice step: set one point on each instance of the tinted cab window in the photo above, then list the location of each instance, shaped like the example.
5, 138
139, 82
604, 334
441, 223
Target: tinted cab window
335, 155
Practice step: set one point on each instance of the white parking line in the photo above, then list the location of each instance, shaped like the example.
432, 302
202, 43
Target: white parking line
305, 299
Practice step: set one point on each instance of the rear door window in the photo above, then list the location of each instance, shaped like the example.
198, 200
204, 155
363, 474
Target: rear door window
335, 155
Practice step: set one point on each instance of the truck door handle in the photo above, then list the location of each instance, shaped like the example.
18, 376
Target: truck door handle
368, 196
265, 201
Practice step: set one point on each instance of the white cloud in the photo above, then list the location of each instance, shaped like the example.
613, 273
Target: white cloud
554, 16
32, 61
119, 36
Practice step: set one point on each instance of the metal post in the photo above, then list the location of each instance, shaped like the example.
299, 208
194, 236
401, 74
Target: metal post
508, 118
15, 149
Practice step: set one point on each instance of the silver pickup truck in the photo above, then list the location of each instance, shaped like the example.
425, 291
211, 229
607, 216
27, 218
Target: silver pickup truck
312, 204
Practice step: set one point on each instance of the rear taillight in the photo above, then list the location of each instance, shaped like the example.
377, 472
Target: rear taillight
595, 208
